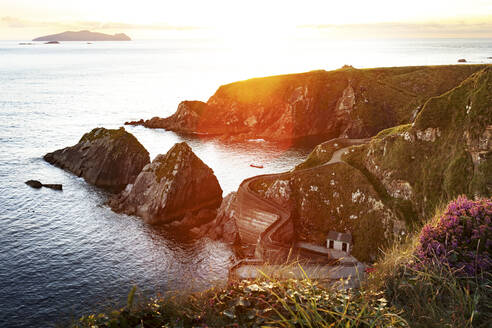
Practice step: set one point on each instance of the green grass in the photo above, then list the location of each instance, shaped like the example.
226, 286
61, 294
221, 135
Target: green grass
264, 302
437, 170
123, 139
431, 296
322, 153
395, 294
99, 133
394, 130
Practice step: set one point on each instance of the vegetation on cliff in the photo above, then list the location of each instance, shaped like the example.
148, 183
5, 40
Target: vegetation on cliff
433, 277
460, 239
445, 153
337, 197
383, 188
402, 290
264, 302
355, 103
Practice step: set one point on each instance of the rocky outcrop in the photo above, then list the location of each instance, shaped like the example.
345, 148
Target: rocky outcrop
83, 36
333, 196
185, 120
380, 190
110, 159
223, 227
176, 188
445, 153
343, 103
37, 185
34, 184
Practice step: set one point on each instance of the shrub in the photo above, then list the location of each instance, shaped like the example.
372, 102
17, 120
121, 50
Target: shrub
264, 302
461, 238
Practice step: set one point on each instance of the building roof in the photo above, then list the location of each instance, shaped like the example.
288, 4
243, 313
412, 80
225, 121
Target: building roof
341, 236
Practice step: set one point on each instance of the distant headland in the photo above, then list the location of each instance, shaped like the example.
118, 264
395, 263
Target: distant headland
83, 36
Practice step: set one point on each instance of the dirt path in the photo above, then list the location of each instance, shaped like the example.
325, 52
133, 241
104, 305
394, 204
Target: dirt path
337, 155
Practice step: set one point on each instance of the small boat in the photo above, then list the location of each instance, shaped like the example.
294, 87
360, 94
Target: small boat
258, 166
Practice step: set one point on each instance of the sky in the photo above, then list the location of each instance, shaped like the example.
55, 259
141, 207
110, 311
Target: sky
154, 19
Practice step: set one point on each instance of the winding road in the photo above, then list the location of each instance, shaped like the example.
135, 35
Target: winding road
269, 247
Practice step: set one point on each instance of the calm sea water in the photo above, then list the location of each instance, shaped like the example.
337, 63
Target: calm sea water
65, 254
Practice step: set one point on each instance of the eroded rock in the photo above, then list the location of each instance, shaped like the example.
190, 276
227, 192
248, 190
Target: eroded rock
185, 120
176, 188
429, 134
223, 227
106, 158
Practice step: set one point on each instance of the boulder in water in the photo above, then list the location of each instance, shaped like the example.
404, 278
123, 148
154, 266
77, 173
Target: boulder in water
34, 184
176, 188
55, 186
37, 184
109, 159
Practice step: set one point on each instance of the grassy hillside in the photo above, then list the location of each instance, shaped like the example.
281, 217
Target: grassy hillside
346, 102
445, 153
401, 175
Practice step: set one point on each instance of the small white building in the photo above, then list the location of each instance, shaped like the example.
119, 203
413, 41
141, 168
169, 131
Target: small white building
339, 241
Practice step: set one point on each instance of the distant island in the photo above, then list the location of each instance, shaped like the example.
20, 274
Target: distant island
84, 36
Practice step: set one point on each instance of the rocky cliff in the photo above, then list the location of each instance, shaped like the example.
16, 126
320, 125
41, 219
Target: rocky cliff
347, 102
381, 189
109, 159
223, 227
338, 197
446, 152
176, 188
185, 120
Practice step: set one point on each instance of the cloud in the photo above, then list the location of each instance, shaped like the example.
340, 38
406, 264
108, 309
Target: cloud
14, 22
481, 27
472, 27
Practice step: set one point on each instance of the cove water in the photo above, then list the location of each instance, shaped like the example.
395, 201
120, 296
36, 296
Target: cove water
65, 254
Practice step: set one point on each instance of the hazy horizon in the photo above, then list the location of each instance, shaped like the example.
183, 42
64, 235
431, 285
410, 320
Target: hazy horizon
150, 19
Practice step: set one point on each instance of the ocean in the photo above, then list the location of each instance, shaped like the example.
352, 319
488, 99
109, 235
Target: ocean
66, 254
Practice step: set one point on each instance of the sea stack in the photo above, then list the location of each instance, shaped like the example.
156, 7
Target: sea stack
110, 159
176, 188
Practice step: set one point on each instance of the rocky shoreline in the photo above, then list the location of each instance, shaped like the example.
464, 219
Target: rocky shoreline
349, 102
429, 140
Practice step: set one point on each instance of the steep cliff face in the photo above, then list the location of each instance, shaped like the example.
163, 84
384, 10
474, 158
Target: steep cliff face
380, 190
336, 197
347, 102
176, 187
106, 158
445, 153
